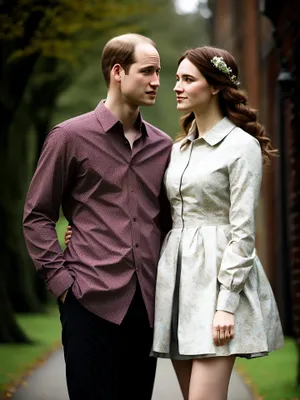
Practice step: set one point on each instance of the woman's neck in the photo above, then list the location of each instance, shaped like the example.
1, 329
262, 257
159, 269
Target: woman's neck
207, 120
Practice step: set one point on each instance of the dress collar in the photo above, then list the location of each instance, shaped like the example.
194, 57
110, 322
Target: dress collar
214, 135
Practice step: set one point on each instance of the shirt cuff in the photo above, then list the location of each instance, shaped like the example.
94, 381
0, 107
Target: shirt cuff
60, 282
228, 301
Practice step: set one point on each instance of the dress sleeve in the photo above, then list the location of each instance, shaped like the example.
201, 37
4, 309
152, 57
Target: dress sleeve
245, 174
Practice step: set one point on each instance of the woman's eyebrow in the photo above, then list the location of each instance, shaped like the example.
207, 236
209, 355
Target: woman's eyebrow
185, 76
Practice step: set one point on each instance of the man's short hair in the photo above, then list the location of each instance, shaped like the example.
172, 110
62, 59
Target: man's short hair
120, 50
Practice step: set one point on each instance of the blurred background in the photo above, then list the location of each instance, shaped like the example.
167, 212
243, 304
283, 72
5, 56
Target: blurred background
50, 71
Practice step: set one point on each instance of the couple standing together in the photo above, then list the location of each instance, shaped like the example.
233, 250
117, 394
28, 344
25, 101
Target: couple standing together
161, 257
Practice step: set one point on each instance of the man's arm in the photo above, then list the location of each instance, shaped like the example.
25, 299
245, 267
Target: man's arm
41, 211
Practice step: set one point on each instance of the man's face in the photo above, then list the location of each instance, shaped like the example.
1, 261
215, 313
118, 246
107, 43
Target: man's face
139, 86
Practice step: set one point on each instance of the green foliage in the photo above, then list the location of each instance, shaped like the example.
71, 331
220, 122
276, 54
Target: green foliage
16, 359
61, 228
68, 27
273, 377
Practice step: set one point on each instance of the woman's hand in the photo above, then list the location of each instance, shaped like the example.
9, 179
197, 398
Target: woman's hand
68, 235
223, 328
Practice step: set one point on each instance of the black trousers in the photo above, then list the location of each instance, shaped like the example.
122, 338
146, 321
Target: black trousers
105, 361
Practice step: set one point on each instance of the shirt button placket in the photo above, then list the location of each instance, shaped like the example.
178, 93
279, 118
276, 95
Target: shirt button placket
135, 226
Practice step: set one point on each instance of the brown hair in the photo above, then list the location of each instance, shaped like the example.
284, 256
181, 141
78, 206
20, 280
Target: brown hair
120, 50
233, 101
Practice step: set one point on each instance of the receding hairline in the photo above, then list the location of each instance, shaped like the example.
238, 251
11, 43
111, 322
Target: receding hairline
134, 38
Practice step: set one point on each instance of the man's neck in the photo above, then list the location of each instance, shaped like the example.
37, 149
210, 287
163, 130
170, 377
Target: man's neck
123, 111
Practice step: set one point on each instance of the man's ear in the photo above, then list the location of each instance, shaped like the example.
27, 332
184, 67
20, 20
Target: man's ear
116, 72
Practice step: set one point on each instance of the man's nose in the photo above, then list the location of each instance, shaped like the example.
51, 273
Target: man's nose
155, 81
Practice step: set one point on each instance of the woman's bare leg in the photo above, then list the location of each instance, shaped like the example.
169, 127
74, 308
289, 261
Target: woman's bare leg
183, 369
210, 378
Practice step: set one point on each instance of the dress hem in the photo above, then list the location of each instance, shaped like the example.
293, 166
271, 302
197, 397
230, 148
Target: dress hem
209, 355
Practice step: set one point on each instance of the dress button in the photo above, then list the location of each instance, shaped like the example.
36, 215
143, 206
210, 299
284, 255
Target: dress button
134, 219
136, 245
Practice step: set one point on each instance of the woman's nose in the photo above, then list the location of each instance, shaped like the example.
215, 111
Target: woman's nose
177, 88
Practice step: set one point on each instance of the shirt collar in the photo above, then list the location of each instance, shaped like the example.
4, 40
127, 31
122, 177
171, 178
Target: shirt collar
215, 134
108, 120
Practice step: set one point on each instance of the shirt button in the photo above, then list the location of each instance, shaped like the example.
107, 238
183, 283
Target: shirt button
134, 219
136, 245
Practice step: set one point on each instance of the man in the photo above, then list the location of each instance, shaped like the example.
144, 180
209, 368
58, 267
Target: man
105, 168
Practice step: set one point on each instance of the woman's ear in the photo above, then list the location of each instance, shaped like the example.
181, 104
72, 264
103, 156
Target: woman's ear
214, 91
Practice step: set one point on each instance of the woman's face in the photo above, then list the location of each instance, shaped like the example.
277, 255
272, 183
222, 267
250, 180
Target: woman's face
192, 90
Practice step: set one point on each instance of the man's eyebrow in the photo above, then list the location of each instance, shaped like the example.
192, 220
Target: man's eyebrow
150, 67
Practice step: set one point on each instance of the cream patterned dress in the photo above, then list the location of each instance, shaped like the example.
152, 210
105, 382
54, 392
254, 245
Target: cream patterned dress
208, 260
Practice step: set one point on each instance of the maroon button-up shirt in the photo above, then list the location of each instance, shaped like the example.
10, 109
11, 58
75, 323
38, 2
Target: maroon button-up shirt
112, 196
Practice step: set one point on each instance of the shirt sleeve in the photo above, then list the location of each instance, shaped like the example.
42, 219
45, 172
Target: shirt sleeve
245, 174
41, 212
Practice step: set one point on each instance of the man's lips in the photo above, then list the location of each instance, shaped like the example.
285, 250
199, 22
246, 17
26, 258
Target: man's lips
152, 92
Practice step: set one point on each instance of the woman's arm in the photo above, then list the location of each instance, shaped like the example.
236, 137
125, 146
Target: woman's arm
245, 173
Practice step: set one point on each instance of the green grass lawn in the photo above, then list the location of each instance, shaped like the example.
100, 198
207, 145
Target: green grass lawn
18, 359
273, 377
44, 329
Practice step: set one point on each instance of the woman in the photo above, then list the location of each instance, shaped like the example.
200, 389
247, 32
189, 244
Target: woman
213, 300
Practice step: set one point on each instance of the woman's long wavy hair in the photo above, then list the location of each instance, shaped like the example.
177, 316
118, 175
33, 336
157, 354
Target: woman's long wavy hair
233, 101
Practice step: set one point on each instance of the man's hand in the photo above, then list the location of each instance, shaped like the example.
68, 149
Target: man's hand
63, 296
223, 328
68, 235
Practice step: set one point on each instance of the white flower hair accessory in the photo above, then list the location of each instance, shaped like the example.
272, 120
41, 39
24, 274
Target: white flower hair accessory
220, 64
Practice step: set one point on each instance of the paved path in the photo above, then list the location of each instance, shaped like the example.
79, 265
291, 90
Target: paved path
48, 383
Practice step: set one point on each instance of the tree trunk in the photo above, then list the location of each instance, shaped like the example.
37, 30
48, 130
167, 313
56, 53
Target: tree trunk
21, 278
10, 332
32, 119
